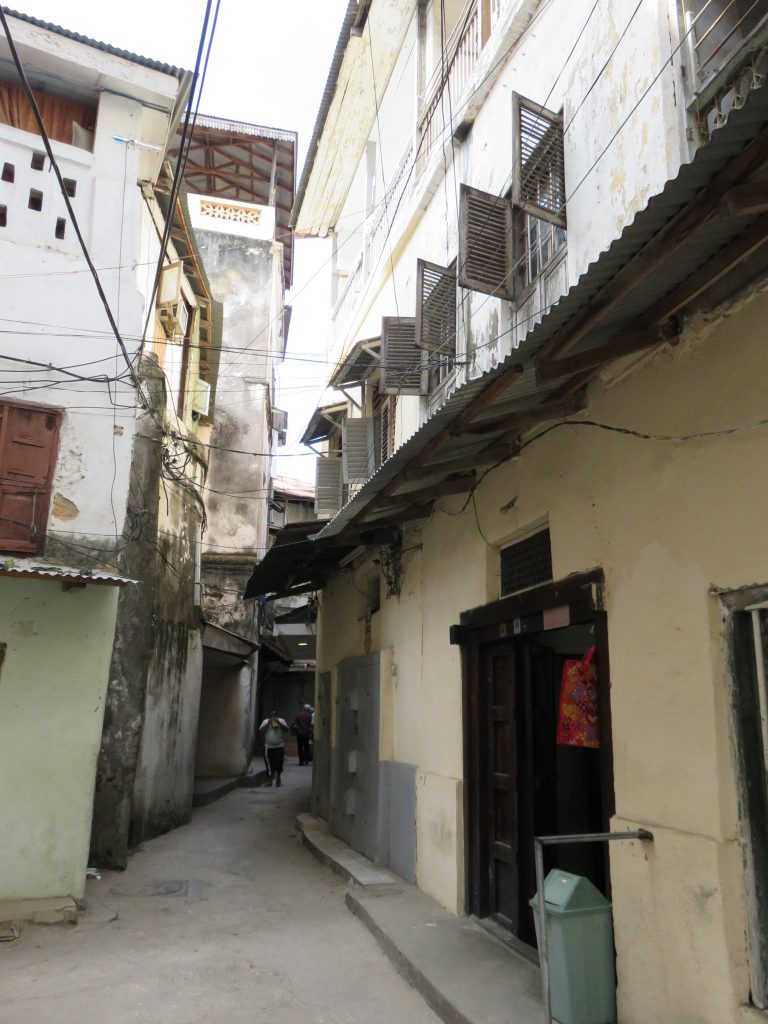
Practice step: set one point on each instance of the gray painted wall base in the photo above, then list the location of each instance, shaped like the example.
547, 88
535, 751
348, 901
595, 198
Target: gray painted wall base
396, 839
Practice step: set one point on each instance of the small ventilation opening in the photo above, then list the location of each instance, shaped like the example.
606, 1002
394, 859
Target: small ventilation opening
61, 227
70, 187
9, 172
3, 216
38, 161
526, 563
35, 200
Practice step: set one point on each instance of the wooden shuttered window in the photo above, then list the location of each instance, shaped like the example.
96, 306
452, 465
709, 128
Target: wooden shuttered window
357, 457
29, 438
539, 179
436, 307
487, 247
329, 486
401, 362
485, 243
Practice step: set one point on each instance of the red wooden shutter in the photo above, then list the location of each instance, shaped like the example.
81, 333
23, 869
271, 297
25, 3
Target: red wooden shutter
28, 444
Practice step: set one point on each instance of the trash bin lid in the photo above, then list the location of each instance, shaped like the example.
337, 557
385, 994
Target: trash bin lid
567, 893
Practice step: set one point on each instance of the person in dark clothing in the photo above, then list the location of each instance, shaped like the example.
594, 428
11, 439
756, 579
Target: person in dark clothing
302, 728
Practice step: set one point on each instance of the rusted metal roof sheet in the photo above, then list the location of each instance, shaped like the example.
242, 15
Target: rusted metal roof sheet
704, 243
135, 58
62, 574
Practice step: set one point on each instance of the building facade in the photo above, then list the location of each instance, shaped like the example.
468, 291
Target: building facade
547, 326
84, 418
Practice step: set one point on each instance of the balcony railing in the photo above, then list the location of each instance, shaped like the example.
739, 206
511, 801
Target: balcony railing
451, 77
375, 236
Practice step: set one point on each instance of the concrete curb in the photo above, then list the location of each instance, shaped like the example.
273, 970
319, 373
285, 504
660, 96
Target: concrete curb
353, 867
207, 791
405, 966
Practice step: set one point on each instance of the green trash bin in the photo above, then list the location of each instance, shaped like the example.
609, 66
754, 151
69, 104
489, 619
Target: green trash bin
582, 977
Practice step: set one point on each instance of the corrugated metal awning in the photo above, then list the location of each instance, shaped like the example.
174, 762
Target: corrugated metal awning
23, 569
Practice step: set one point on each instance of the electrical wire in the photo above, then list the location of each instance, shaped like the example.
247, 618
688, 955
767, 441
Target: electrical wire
67, 202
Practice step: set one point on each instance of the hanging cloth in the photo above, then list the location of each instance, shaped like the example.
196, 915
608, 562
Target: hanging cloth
577, 721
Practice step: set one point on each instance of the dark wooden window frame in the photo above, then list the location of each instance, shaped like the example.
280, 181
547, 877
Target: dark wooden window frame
521, 614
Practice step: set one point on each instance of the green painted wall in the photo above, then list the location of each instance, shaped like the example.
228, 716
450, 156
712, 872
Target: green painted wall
52, 687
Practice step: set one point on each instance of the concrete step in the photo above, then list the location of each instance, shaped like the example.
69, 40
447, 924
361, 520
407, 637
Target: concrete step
208, 790
465, 973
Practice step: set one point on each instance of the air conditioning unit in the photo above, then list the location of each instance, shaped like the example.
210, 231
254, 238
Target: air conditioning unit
175, 318
280, 424
171, 308
201, 398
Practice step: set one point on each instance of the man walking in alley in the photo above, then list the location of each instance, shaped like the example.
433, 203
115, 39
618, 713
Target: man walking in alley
302, 728
273, 729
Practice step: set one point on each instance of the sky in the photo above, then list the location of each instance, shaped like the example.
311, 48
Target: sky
269, 63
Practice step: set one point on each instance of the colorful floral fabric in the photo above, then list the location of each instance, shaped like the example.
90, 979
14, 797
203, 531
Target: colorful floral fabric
577, 721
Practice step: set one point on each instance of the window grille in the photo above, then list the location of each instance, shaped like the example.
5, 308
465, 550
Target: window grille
400, 357
539, 161
719, 27
537, 242
526, 563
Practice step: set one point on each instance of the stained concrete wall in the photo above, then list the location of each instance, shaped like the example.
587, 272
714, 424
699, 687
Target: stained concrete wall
225, 727
53, 683
666, 521
162, 797
245, 268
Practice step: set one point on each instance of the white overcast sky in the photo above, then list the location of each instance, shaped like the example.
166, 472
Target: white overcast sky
269, 63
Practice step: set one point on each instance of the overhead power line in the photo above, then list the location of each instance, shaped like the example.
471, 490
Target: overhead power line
67, 202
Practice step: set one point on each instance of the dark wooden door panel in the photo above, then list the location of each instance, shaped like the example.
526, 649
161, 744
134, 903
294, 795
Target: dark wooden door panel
501, 770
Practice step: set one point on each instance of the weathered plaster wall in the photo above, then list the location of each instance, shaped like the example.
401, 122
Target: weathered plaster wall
246, 274
52, 687
621, 146
162, 797
96, 437
225, 727
665, 521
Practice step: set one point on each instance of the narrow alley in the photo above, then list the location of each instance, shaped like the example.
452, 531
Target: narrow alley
226, 919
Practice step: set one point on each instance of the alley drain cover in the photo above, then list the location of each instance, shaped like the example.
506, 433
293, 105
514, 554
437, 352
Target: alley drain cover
151, 888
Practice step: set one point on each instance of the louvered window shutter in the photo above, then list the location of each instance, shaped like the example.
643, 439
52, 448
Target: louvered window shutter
28, 444
539, 181
436, 307
400, 358
485, 243
328, 486
357, 450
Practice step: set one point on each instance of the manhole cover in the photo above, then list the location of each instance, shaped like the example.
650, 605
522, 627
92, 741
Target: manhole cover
172, 888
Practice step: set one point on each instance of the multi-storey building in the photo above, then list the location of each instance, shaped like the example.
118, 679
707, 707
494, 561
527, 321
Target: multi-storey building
543, 447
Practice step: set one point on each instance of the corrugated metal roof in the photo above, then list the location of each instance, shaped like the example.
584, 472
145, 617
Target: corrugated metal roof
225, 124
61, 573
704, 243
135, 58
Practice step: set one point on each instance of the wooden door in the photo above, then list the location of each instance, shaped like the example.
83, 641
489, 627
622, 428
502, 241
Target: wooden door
501, 781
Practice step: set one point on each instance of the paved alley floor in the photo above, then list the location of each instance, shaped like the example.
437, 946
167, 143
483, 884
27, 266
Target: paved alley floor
227, 920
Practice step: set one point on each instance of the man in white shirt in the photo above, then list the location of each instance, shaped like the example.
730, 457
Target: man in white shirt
273, 729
